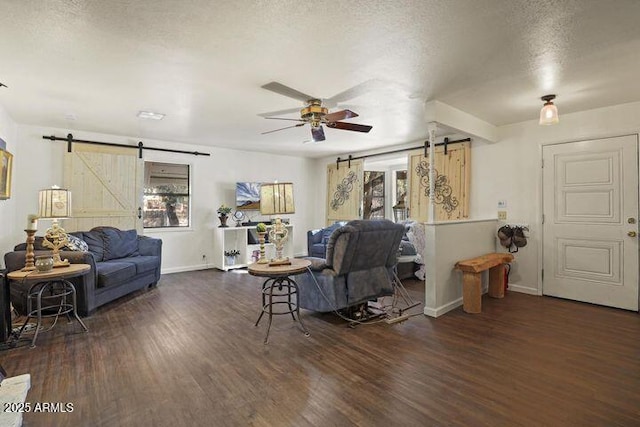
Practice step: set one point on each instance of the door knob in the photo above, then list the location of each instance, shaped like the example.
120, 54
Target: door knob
632, 234
631, 220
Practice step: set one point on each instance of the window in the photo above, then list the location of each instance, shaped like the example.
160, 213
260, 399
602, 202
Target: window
166, 195
401, 186
400, 208
373, 195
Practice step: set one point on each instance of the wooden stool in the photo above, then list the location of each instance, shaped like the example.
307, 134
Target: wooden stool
472, 279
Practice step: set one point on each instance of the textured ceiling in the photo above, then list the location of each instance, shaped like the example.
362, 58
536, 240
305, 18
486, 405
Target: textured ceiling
202, 64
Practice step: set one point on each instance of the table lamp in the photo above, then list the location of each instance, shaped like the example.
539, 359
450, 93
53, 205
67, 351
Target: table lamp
277, 199
55, 204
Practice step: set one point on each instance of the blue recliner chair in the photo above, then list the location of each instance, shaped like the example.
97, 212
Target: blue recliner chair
358, 267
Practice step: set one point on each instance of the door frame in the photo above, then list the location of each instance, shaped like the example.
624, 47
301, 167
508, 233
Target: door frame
540, 199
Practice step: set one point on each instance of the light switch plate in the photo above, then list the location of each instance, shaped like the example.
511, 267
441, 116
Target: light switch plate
502, 215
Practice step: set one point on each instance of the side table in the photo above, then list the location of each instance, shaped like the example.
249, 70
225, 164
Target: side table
278, 289
52, 295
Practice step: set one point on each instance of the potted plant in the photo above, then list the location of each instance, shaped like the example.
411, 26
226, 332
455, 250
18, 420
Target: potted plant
230, 256
223, 214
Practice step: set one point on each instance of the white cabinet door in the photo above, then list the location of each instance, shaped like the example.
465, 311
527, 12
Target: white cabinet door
590, 197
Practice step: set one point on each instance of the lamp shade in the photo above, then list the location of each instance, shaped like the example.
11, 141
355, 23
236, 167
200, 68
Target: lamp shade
54, 203
549, 112
276, 198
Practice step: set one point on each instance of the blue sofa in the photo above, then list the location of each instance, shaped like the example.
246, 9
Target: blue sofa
121, 262
317, 239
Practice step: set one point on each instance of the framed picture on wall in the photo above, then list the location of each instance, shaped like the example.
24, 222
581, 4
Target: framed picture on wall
6, 160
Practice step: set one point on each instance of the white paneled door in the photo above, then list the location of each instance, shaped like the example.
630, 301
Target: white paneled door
590, 199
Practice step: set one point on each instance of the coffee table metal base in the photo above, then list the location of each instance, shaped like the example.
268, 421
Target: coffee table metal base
52, 298
279, 291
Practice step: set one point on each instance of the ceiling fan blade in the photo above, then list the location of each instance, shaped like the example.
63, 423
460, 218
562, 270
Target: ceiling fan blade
353, 92
317, 134
349, 126
285, 118
277, 113
339, 115
287, 91
288, 127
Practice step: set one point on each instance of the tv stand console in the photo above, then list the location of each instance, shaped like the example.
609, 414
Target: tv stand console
230, 238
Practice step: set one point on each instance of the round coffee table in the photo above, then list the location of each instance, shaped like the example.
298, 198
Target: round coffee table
279, 288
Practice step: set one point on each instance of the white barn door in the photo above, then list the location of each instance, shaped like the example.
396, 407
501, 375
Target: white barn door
590, 199
106, 187
345, 185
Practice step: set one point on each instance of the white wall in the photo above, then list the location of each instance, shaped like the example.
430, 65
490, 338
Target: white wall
38, 164
508, 170
8, 132
511, 170
446, 244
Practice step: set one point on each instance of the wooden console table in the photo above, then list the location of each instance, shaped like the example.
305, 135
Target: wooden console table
472, 279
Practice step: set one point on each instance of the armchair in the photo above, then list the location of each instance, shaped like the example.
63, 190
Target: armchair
359, 263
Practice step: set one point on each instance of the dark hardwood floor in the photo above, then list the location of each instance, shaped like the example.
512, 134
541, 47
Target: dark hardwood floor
187, 354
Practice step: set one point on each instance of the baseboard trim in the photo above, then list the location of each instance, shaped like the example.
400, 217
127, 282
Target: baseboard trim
439, 311
186, 268
524, 289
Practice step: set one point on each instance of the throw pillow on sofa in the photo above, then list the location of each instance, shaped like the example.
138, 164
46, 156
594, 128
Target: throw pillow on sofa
93, 239
119, 243
76, 244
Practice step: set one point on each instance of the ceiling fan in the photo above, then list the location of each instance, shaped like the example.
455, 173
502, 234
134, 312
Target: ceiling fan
315, 113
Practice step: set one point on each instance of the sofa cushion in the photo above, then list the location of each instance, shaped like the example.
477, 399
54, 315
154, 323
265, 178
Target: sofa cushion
119, 243
327, 232
143, 263
406, 248
95, 243
37, 245
318, 250
114, 273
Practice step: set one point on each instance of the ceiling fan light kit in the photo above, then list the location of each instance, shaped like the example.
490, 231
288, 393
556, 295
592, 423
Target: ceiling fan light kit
549, 112
315, 113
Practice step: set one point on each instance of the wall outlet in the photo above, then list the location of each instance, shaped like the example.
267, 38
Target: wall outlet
502, 215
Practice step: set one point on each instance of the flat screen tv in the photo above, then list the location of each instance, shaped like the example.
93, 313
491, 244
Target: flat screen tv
248, 196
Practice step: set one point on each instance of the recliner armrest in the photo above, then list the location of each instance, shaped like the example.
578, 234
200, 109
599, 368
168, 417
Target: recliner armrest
317, 264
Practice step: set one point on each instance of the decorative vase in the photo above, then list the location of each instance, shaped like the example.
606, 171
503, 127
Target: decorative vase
44, 263
223, 221
231, 260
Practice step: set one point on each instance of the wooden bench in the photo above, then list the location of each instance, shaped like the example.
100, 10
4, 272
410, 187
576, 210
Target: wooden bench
472, 279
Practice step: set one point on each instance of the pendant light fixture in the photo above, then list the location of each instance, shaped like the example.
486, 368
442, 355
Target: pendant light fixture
549, 112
